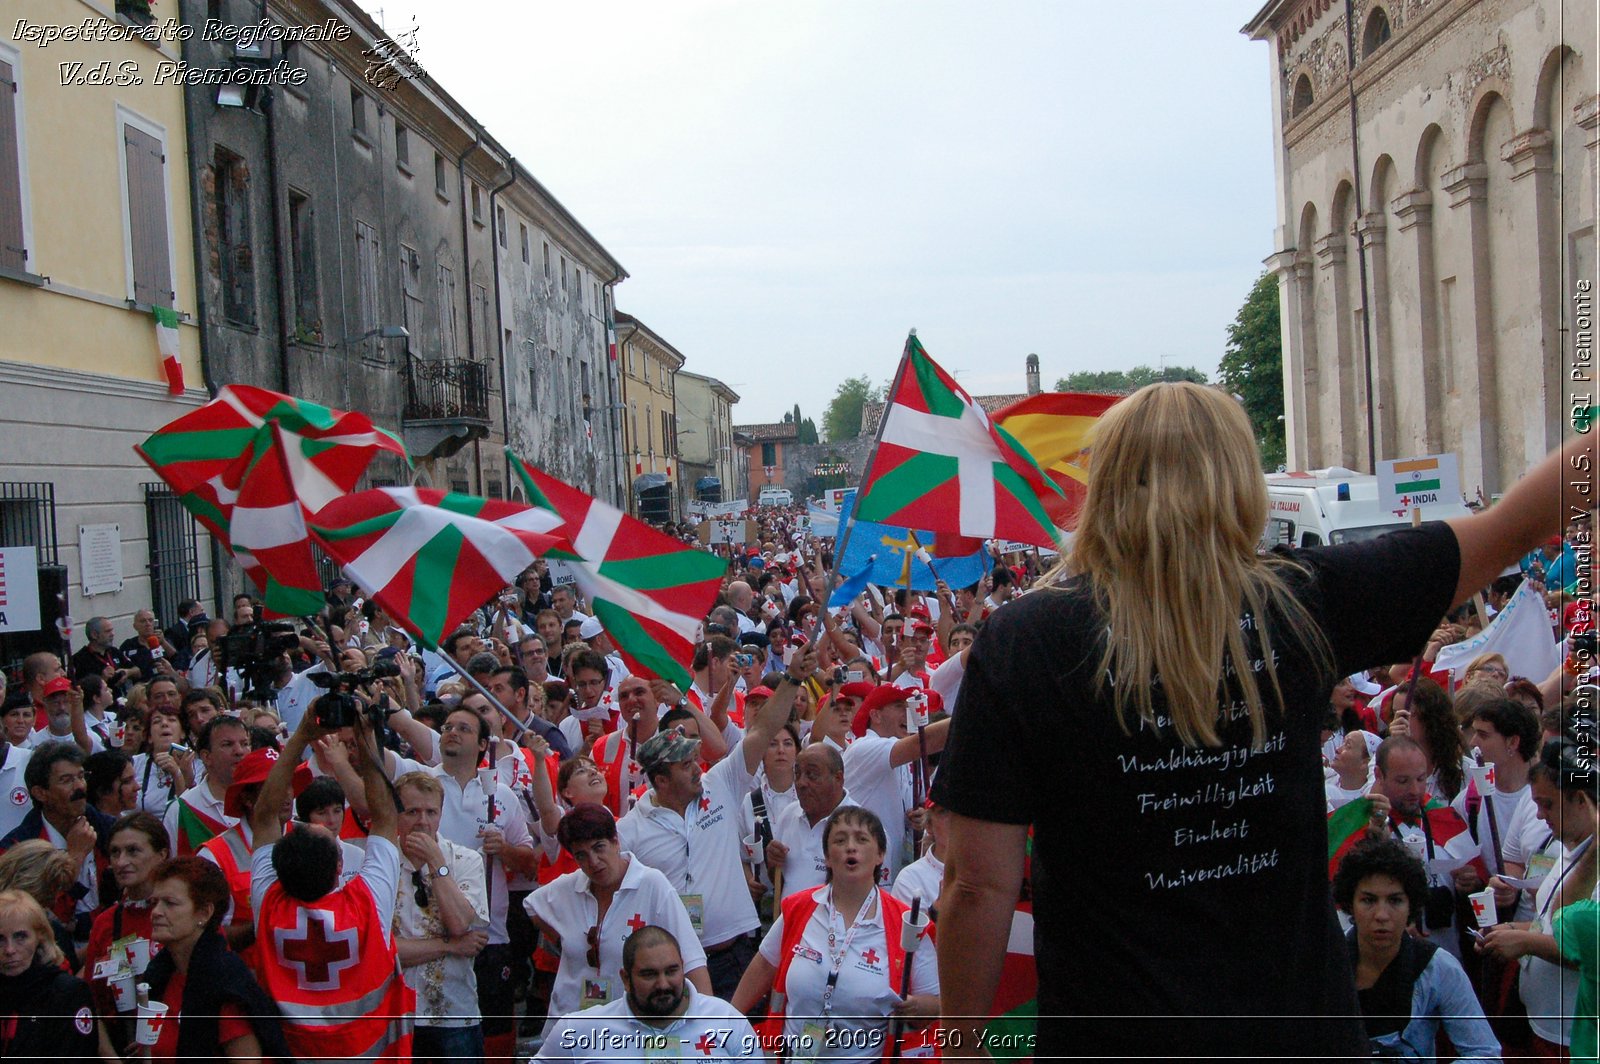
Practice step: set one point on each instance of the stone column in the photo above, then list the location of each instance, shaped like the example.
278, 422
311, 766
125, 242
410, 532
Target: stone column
1467, 187
1372, 230
1532, 162
1290, 327
1340, 386
1423, 367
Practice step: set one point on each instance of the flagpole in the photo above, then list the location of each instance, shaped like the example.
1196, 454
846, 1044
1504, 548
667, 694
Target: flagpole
522, 729
866, 467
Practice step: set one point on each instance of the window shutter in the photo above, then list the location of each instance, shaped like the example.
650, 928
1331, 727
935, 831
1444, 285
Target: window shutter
13, 252
147, 218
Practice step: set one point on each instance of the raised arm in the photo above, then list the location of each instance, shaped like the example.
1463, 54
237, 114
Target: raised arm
910, 748
775, 713
265, 827
385, 820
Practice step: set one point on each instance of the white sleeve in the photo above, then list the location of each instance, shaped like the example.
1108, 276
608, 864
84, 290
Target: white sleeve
381, 870
557, 1043
771, 949
946, 679
262, 876
466, 868
732, 773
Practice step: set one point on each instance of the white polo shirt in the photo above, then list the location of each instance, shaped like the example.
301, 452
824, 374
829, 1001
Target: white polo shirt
201, 800
922, 878
881, 787
39, 736
567, 905
701, 856
863, 997
463, 820
155, 786
709, 1029
806, 865
15, 802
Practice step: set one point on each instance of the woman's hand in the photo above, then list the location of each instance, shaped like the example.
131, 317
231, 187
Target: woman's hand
916, 1007
1506, 942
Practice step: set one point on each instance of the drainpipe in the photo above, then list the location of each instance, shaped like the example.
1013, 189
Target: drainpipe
466, 270
505, 378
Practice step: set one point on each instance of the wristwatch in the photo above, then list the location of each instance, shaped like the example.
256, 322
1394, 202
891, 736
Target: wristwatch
442, 872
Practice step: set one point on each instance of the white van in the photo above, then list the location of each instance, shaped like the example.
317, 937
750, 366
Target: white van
775, 496
1334, 505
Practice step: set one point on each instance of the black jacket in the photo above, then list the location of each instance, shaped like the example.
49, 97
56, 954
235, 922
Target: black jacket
217, 977
46, 1014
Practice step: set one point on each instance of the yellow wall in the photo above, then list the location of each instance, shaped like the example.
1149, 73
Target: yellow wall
653, 396
73, 200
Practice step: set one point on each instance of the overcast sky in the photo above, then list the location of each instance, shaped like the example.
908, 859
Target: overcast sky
791, 186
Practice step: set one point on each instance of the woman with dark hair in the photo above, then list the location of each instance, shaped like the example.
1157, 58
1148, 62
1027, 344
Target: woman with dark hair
1171, 685
1409, 987
113, 787
215, 1006
45, 1012
839, 1002
1427, 716
589, 913
136, 845
162, 771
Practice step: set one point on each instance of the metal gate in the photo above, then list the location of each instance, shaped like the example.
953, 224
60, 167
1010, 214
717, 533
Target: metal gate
174, 552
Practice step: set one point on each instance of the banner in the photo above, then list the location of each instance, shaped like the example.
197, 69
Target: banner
19, 589
1521, 633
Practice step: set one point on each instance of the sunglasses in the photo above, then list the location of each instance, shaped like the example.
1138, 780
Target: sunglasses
421, 894
593, 955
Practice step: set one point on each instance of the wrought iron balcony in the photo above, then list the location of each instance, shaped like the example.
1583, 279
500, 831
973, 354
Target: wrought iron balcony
447, 405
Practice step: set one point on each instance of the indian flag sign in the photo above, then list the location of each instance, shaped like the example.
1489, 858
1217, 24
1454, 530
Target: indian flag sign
649, 591
167, 344
1406, 484
430, 558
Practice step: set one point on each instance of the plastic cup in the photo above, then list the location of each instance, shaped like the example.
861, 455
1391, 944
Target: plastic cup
911, 932
116, 731
752, 849
139, 954
151, 1017
1483, 909
1483, 777
122, 989
1418, 847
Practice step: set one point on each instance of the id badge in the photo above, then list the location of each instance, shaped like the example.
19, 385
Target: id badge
696, 904
595, 992
813, 1040
1539, 865
662, 1047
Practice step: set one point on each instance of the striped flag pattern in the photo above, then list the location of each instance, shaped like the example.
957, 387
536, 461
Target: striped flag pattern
1054, 427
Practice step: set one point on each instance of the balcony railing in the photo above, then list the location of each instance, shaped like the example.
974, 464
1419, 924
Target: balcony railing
454, 389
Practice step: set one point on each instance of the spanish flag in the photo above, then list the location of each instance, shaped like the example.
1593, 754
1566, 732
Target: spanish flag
1054, 428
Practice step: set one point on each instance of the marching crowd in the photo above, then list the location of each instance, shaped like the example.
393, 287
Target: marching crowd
354, 849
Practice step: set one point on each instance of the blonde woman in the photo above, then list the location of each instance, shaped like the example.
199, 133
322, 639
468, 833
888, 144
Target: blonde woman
45, 1011
1170, 688
44, 872
1489, 670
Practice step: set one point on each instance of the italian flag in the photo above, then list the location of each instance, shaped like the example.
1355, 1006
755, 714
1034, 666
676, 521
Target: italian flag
195, 829
167, 344
649, 591
251, 465
429, 557
941, 464
611, 339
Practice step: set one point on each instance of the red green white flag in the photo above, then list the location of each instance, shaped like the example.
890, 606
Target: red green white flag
943, 464
1453, 845
649, 591
429, 557
167, 344
195, 829
251, 465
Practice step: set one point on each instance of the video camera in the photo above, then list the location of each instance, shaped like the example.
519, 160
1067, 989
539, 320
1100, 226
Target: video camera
339, 708
254, 649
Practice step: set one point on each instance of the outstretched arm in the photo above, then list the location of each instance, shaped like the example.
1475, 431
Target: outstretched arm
265, 828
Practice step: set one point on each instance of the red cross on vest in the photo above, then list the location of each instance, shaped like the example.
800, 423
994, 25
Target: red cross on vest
870, 956
706, 1044
705, 804
637, 922
316, 950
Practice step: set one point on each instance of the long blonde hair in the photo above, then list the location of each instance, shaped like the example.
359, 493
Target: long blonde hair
1168, 539
37, 868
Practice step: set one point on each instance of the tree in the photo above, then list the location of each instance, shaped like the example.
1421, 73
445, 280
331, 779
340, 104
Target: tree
1122, 382
1252, 367
788, 417
842, 420
808, 431
796, 415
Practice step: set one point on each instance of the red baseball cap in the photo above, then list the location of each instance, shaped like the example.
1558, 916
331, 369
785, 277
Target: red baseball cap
859, 689
56, 686
885, 694
917, 609
252, 772
758, 692
921, 628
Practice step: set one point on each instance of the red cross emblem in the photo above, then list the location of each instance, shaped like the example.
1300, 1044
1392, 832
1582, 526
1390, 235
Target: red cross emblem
637, 922
870, 956
705, 804
19, 797
316, 949
706, 1044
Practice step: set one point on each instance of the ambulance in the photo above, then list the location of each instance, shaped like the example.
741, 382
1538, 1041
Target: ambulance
1334, 505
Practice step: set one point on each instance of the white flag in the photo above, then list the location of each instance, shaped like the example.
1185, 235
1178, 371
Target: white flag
1520, 633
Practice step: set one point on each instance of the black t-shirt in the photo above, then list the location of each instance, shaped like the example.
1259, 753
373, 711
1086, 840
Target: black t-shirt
1180, 894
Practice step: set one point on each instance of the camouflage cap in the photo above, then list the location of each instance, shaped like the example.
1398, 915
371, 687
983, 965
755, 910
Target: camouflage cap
666, 748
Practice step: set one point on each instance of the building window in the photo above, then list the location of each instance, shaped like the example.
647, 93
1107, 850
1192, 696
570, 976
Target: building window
367, 273
411, 296
303, 267
525, 255
500, 224
146, 166
28, 519
495, 491
447, 312
533, 386
402, 147
13, 243
547, 260
174, 550
1376, 33
440, 186
458, 485
1302, 96
477, 203
358, 112
563, 275
666, 433
769, 454
235, 255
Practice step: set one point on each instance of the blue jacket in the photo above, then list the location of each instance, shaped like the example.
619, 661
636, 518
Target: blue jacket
1442, 995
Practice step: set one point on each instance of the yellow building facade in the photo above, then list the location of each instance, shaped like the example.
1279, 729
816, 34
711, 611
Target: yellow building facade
650, 368
95, 228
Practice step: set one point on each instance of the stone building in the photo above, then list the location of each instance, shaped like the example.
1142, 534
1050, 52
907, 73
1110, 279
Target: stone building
1436, 187
705, 437
650, 368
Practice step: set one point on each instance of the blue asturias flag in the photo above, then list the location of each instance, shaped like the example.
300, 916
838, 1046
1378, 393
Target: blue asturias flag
897, 564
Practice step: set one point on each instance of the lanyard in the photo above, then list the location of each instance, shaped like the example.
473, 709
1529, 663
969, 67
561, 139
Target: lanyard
836, 959
1571, 863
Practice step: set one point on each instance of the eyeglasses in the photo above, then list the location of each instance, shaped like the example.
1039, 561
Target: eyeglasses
421, 890
593, 956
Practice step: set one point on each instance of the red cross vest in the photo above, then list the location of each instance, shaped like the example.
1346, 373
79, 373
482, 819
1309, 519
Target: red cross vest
336, 978
735, 707
611, 756
232, 854
798, 909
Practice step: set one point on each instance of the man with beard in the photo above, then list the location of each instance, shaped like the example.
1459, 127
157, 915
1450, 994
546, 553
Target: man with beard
64, 721
661, 1017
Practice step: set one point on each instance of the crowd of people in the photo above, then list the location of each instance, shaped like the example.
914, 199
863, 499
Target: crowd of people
515, 838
